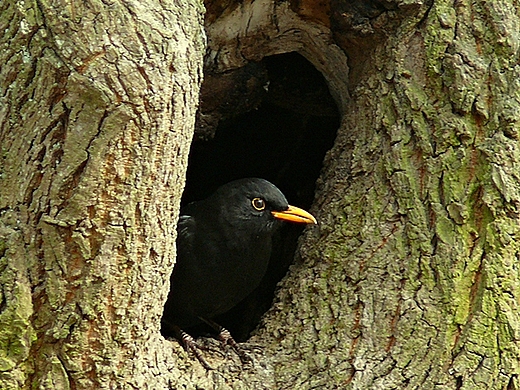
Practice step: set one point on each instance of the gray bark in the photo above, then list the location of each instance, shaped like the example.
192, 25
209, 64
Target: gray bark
97, 110
411, 281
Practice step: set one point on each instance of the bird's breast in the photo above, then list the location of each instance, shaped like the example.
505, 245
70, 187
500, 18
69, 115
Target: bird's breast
232, 271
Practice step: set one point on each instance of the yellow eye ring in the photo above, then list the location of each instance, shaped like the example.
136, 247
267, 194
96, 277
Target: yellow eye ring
258, 204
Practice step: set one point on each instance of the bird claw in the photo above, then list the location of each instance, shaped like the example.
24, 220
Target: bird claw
190, 344
226, 339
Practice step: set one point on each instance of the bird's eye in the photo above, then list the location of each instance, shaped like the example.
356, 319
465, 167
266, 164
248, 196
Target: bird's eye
258, 204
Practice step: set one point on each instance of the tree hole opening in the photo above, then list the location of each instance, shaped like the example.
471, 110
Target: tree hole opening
275, 119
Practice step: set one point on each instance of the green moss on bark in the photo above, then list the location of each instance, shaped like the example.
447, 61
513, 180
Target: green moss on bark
16, 331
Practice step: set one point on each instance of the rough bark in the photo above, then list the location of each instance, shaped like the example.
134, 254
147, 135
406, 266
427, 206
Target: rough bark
97, 111
412, 279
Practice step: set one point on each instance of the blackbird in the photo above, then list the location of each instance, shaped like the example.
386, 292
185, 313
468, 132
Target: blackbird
223, 248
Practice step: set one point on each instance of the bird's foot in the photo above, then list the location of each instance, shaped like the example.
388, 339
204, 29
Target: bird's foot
190, 344
226, 339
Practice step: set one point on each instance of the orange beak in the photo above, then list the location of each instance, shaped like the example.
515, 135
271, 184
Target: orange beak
295, 214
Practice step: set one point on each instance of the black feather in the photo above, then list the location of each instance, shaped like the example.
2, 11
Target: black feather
223, 249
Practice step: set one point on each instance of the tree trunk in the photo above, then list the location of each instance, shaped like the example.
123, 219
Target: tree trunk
410, 282
97, 109
413, 280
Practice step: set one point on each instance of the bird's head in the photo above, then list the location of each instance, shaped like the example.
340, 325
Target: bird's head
257, 203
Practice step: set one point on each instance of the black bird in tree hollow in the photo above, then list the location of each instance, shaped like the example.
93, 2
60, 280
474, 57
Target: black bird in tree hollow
223, 248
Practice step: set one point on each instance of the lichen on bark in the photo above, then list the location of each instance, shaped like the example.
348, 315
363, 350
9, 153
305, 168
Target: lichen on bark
422, 228
98, 105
